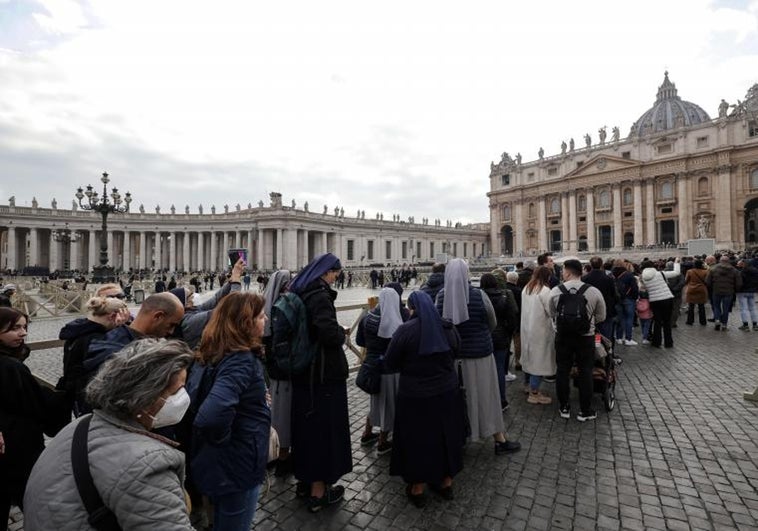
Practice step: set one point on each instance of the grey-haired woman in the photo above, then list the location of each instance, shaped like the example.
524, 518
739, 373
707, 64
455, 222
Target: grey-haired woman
137, 473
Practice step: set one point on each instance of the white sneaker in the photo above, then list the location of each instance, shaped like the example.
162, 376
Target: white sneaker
645, 342
630, 343
619, 341
510, 377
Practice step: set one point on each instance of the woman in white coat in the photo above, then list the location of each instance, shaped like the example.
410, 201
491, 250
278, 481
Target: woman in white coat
537, 334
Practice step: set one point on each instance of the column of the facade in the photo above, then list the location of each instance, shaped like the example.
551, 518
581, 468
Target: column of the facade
279, 248
541, 226
259, 250
54, 254
565, 238
306, 249
127, 251
518, 245
683, 205
250, 248
74, 260
172, 252
186, 240
290, 250
33, 247
238, 239
92, 250
724, 208
12, 253
324, 242
618, 233
591, 220
225, 248
638, 237
572, 221
650, 204
200, 251
142, 250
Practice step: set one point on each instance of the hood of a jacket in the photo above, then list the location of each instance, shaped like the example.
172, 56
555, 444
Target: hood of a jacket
79, 327
648, 273
436, 279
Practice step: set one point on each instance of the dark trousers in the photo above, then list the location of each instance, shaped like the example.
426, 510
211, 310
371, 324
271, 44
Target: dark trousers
662, 322
700, 313
570, 349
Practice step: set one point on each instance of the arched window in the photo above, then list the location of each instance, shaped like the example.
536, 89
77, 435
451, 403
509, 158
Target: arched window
702, 186
754, 179
667, 190
604, 201
627, 196
555, 206
507, 212
531, 210
581, 203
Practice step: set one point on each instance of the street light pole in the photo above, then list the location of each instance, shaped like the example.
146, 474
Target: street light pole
103, 273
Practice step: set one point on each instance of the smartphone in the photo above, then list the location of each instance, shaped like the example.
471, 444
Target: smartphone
236, 254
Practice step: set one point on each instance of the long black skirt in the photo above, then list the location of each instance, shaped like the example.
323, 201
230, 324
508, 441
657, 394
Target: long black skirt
428, 438
321, 433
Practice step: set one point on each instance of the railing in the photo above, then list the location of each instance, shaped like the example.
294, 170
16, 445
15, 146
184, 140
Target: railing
350, 345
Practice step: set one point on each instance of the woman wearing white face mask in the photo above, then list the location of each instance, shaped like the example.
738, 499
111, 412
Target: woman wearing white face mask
136, 473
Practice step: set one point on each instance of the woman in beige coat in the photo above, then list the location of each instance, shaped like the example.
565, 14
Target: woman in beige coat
537, 334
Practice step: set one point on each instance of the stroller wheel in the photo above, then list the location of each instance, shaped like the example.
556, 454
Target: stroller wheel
609, 398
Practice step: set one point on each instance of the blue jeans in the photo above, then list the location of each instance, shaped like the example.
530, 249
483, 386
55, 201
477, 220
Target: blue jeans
747, 307
534, 382
722, 305
235, 511
626, 319
645, 328
501, 357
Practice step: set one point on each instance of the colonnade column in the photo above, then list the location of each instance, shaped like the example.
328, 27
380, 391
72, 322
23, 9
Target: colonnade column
10, 260
213, 262
127, 251
541, 226
683, 205
54, 254
565, 219
518, 245
111, 254
306, 258
200, 251
723, 232
33, 247
259, 250
172, 252
279, 248
186, 266
158, 253
638, 237
93, 245
650, 189
324, 242
73, 262
142, 250
573, 244
290, 250
591, 220
250, 249
618, 233
238, 239
226, 243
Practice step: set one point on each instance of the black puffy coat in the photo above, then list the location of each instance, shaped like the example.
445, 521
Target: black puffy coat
749, 279
434, 284
507, 317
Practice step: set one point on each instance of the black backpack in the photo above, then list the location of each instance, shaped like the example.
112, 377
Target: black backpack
292, 349
571, 315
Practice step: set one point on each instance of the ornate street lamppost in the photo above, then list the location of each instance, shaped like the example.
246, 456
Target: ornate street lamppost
66, 236
103, 273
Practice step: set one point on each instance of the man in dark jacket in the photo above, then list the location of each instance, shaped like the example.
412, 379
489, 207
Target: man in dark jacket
724, 281
158, 316
598, 278
5, 297
435, 282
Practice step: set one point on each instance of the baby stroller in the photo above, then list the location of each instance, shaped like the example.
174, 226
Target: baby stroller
604, 372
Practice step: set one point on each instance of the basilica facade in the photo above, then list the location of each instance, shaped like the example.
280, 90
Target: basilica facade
275, 236
678, 175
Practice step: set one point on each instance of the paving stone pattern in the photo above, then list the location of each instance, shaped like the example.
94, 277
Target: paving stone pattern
678, 452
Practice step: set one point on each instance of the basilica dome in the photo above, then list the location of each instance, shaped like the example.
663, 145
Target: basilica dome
669, 112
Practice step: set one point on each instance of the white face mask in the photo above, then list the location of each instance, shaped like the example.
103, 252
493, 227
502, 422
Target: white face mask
173, 409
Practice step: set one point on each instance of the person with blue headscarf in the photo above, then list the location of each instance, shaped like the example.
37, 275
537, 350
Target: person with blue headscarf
429, 431
320, 424
375, 332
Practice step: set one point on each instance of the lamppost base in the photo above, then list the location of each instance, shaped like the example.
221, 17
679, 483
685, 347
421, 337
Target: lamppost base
103, 275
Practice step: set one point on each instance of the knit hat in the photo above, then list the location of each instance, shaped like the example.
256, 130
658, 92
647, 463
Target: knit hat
9, 287
180, 294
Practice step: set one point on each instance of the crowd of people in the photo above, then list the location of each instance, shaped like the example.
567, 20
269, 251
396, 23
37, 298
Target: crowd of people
175, 408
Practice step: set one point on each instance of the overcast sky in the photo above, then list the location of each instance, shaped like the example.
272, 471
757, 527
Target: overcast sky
391, 106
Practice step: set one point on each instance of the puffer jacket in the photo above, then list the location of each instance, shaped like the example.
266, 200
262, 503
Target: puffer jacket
476, 336
749, 279
138, 474
434, 284
724, 279
656, 284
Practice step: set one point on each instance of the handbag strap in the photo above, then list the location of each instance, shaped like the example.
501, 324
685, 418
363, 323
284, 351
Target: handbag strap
100, 517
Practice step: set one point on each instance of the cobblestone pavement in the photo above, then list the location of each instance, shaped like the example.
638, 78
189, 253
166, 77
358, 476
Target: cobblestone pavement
678, 452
